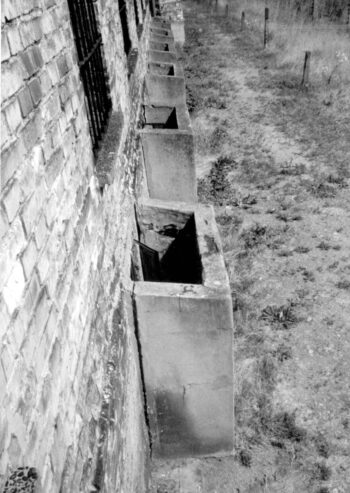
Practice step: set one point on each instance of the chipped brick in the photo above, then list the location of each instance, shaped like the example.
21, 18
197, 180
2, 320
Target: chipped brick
35, 90
5, 49
25, 101
12, 292
62, 65
13, 115
29, 258
12, 201
14, 39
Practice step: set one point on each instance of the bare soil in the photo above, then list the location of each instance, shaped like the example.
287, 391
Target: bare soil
274, 160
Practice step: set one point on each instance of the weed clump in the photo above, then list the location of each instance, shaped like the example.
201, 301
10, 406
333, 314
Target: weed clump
280, 316
253, 236
282, 426
216, 188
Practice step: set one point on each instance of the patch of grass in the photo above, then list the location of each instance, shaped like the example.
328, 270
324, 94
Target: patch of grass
283, 353
302, 249
254, 236
344, 284
280, 317
321, 472
324, 246
282, 426
322, 445
216, 188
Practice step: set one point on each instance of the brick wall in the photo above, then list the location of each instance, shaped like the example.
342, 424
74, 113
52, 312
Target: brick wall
70, 400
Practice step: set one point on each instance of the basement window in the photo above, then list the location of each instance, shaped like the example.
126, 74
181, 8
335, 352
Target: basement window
88, 41
163, 117
179, 263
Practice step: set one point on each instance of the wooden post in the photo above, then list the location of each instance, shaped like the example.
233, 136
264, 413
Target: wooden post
306, 70
266, 27
242, 21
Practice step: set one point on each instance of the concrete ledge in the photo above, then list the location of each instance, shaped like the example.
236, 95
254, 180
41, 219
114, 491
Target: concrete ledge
169, 153
164, 85
160, 38
161, 56
161, 31
186, 334
166, 69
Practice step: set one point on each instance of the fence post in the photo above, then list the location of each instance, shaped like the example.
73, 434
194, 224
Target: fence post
226, 10
306, 70
266, 27
243, 21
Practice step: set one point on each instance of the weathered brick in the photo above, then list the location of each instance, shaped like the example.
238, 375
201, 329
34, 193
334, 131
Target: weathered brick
5, 132
16, 8
12, 201
53, 167
5, 49
25, 101
14, 39
28, 64
29, 257
17, 332
35, 90
31, 295
10, 247
41, 232
45, 82
13, 115
4, 225
4, 318
30, 212
30, 31
47, 23
13, 290
11, 160
51, 108
11, 78
37, 57
62, 65
32, 132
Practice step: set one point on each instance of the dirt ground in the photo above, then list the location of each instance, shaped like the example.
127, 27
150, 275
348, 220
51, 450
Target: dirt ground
274, 160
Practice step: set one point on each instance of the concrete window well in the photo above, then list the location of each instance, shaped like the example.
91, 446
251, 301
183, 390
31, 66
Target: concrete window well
168, 150
161, 56
183, 313
164, 84
159, 45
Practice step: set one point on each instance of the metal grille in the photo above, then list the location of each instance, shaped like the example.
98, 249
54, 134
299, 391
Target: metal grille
124, 22
89, 47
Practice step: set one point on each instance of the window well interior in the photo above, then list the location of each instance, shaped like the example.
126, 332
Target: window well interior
162, 69
160, 117
169, 254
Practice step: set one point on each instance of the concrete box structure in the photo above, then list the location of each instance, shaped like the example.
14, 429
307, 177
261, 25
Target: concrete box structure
164, 84
186, 333
160, 56
168, 149
167, 46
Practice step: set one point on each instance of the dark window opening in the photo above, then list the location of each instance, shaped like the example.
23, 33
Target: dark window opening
160, 117
88, 41
162, 69
124, 22
180, 263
